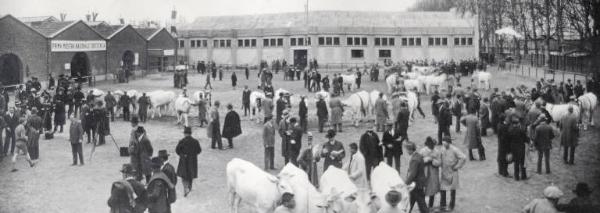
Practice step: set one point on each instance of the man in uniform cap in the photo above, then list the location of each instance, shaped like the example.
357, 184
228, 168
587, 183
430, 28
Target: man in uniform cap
516, 135
392, 146
453, 159
546, 204
188, 150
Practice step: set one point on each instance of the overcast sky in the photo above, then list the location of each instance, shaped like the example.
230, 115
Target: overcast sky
188, 10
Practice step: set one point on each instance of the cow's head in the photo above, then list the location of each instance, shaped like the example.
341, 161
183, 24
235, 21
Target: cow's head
283, 186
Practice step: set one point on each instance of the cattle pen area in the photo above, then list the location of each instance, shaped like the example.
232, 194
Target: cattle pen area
54, 186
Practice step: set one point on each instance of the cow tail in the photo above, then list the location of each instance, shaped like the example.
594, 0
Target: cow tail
362, 107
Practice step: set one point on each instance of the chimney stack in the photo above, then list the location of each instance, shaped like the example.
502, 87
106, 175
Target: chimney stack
63, 16
88, 17
122, 21
94, 16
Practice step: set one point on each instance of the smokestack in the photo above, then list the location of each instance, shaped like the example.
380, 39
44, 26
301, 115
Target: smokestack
88, 17
122, 21
63, 16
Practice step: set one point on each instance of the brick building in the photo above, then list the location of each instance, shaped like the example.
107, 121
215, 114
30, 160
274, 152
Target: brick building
161, 48
125, 48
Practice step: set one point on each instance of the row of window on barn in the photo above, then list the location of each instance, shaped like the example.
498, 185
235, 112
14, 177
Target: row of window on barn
330, 41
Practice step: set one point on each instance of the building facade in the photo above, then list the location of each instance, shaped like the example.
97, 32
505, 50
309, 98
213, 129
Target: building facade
330, 37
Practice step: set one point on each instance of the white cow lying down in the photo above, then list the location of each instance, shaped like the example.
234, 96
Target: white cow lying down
384, 179
250, 184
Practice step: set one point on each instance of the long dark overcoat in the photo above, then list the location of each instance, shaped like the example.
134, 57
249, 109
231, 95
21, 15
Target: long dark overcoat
188, 150
231, 127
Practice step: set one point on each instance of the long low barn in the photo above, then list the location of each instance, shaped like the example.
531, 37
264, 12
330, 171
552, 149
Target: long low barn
40, 46
330, 37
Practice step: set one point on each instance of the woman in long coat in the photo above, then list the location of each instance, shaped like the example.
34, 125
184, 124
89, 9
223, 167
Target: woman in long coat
337, 112
59, 111
473, 136
102, 123
231, 126
433, 160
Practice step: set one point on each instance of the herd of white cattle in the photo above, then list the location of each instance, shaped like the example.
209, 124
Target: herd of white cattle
261, 191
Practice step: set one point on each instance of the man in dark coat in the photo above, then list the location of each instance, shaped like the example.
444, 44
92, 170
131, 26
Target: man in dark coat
188, 150
503, 145
78, 97
121, 199
542, 138
332, 152
124, 102
294, 142
326, 83
143, 104
279, 107
416, 174
496, 107
370, 147
444, 120
569, 133
303, 113
322, 113
247, 72
140, 150
233, 80
246, 100
484, 116
457, 107
284, 132
161, 191
435, 105
89, 122
34, 125
167, 168
392, 146
102, 124
11, 119
402, 121
517, 137
231, 126
111, 102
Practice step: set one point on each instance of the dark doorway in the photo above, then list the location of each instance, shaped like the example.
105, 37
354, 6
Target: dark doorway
80, 65
300, 58
10, 69
128, 58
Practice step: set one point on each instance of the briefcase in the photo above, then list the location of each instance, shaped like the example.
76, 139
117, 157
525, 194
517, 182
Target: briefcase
124, 151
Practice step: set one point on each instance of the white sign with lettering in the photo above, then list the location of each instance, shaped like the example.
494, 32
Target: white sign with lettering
77, 46
169, 52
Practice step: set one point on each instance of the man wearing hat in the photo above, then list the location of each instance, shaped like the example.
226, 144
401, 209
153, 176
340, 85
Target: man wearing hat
284, 127
34, 124
167, 168
267, 107
280, 107
392, 146
452, 160
370, 147
308, 159
140, 150
582, 203
188, 150
322, 113
303, 113
161, 191
542, 139
294, 142
333, 151
546, 204
416, 175
517, 137
214, 127
269, 143
122, 193
444, 119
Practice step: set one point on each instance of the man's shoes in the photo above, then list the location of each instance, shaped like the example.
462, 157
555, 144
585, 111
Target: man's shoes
74, 164
14, 170
32, 164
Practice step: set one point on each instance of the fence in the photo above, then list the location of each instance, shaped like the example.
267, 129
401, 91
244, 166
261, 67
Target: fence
539, 72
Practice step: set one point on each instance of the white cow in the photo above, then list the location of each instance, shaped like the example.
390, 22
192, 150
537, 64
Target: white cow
256, 97
391, 81
411, 99
434, 80
133, 96
337, 185
423, 70
385, 179
413, 83
349, 80
587, 103
160, 100
308, 198
359, 106
250, 184
559, 111
483, 79
182, 107
285, 93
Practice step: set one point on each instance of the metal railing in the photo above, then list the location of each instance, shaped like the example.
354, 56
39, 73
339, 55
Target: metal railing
536, 72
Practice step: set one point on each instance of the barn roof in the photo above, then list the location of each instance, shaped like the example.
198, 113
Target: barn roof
50, 29
37, 19
147, 33
107, 30
331, 19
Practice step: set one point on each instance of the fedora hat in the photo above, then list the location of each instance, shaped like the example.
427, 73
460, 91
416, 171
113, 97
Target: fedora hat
582, 189
163, 154
127, 169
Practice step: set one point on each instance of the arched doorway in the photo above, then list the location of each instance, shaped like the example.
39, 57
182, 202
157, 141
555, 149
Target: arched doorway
11, 69
128, 58
80, 65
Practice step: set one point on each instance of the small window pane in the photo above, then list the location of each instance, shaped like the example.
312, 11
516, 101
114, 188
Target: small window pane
253, 42
272, 42
181, 43
411, 41
445, 41
240, 43
301, 41
293, 41
221, 43
463, 41
349, 41
430, 41
280, 42
247, 43
215, 43
228, 43
469, 41
336, 41
404, 41
266, 42
437, 41
456, 41
418, 41
357, 41
321, 41
385, 53
308, 41
377, 41
392, 42
364, 41
384, 41
328, 41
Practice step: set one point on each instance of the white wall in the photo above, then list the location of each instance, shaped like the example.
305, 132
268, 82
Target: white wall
222, 55
270, 54
247, 56
198, 54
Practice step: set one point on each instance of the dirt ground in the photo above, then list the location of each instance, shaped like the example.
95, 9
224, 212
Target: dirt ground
55, 186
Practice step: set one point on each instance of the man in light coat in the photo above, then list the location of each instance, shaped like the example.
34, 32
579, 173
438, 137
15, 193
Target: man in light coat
356, 168
380, 112
76, 137
452, 160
